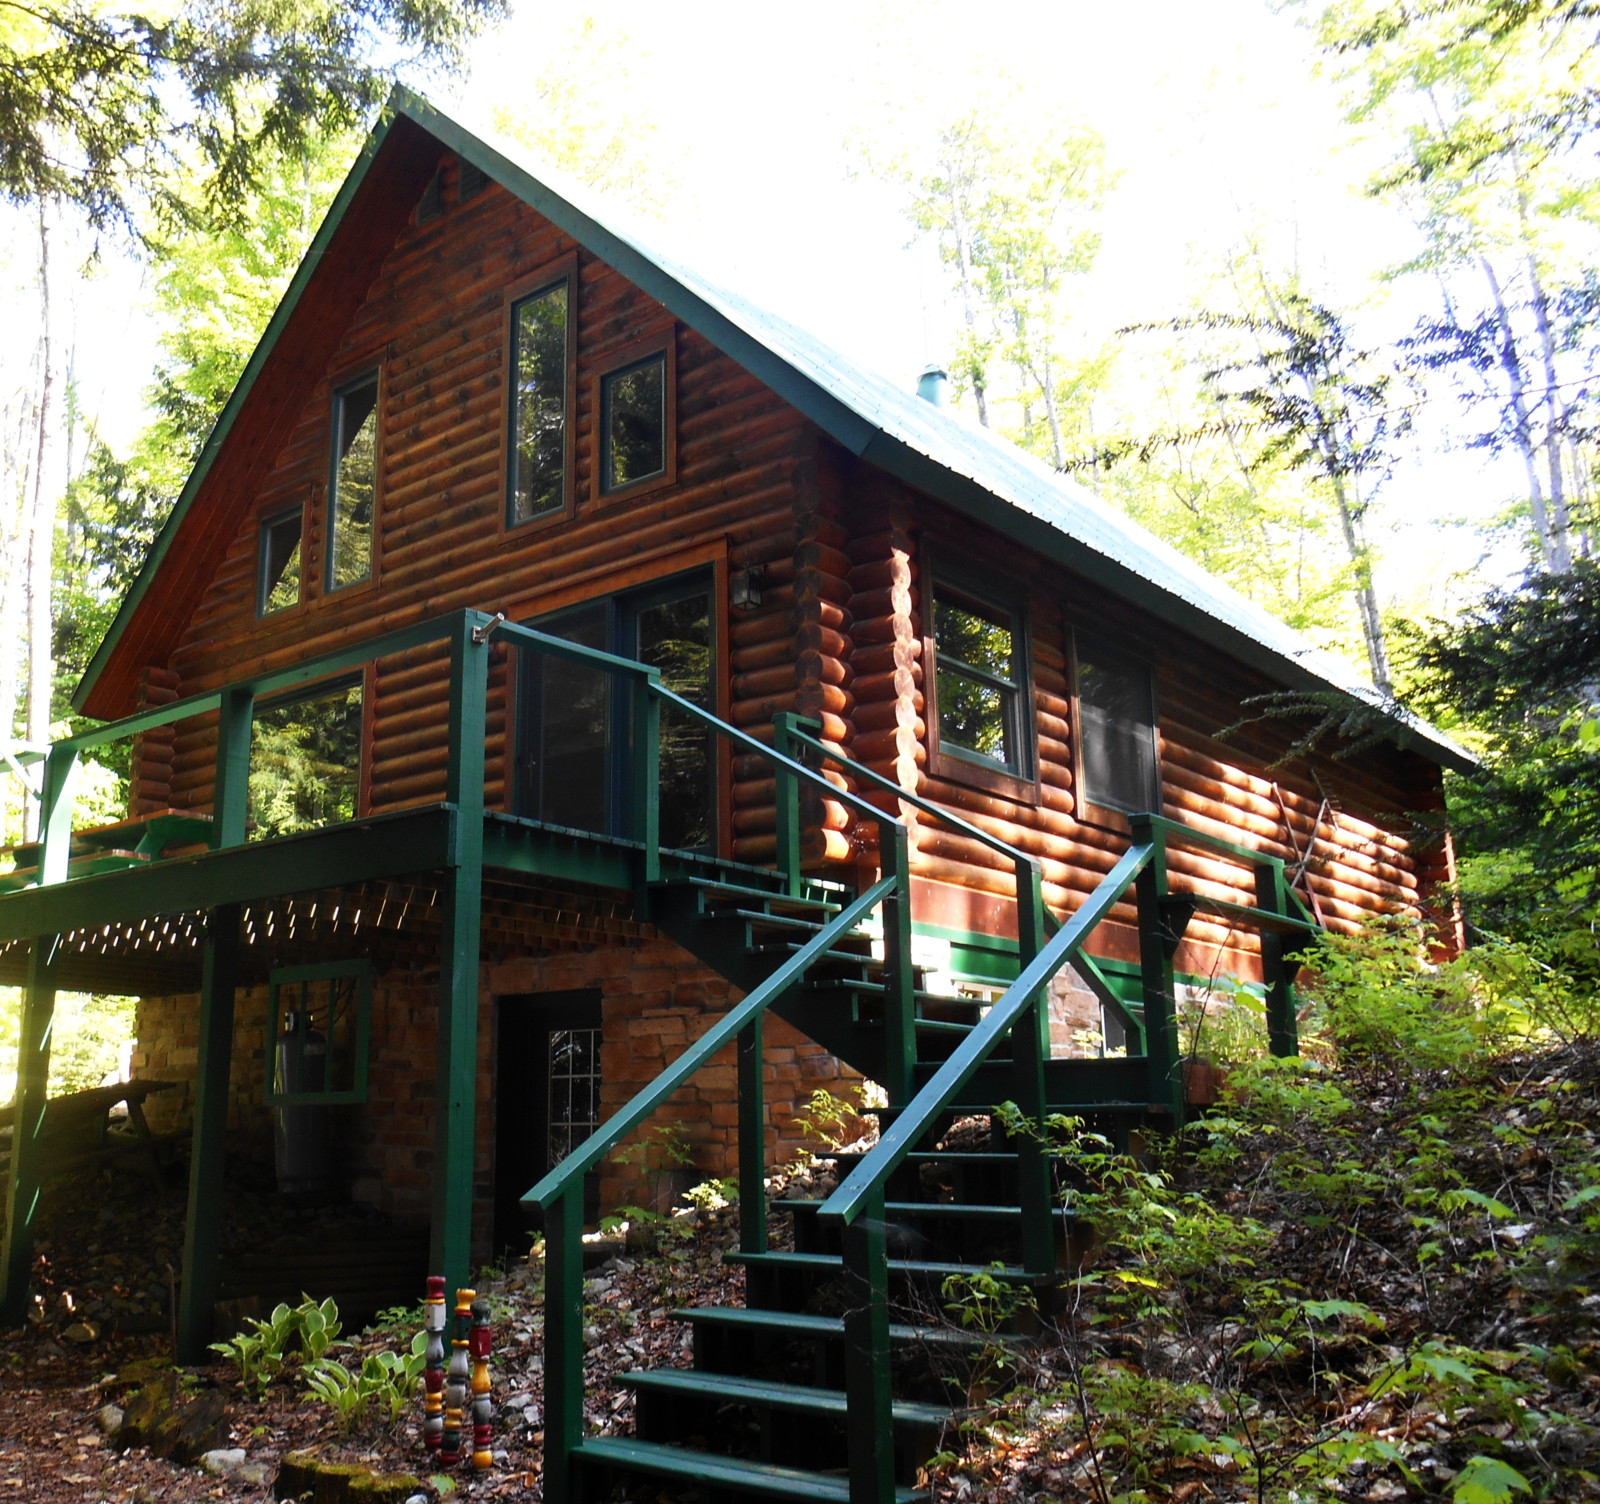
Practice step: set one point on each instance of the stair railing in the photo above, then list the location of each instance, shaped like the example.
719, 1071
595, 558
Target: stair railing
858, 1205
560, 1193
1034, 919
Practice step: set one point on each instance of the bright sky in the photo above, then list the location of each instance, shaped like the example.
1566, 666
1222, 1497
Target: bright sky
1212, 111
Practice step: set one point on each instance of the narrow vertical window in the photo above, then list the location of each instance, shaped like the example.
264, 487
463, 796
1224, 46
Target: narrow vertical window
539, 359
278, 572
980, 679
1117, 767
633, 423
353, 483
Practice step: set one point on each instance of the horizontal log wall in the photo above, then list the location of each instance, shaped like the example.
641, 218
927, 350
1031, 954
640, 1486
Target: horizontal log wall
840, 551
1350, 826
434, 323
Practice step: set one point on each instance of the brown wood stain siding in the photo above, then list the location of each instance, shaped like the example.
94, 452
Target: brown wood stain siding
434, 322
1351, 823
839, 634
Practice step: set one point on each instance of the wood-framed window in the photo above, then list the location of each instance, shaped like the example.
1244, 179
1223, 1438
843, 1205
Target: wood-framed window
321, 1032
352, 484
981, 727
278, 562
1117, 753
541, 357
636, 432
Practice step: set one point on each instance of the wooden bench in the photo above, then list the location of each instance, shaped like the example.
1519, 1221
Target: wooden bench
77, 1129
110, 848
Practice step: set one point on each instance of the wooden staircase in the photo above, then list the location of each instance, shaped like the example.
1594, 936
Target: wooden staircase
820, 1387
766, 1410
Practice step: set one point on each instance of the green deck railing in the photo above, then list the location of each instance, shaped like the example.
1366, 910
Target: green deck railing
858, 1204
1021, 1013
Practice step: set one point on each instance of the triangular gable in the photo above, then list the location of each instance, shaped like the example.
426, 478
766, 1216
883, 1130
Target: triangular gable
968, 468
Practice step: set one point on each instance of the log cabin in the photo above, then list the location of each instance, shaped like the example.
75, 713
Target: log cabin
565, 692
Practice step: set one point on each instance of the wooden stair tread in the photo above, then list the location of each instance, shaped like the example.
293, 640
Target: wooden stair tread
804, 1324
772, 1395
1011, 1273
725, 1472
978, 1211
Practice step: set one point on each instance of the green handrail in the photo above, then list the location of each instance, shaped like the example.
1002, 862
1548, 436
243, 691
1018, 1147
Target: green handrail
913, 1121
560, 1193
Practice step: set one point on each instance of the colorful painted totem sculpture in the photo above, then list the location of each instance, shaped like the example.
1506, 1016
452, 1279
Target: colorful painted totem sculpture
456, 1380
433, 1365
482, 1409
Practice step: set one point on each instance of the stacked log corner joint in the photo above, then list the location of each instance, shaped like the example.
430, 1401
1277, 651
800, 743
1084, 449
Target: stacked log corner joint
453, 1424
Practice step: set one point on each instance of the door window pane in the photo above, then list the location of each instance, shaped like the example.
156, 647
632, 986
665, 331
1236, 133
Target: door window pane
539, 405
568, 767
675, 636
574, 1086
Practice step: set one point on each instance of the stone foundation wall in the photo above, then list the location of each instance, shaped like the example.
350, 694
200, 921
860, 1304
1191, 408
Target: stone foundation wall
655, 999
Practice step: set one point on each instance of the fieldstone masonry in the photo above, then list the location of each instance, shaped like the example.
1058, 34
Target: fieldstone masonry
656, 1000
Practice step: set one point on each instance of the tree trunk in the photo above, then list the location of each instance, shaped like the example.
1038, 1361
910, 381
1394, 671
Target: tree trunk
1552, 548
41, 518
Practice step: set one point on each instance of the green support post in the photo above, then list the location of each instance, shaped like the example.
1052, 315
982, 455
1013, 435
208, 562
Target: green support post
230, 800
787, 793
1156, 975
752, 1139
207, 1158
867, 1380
646, 781
55, 814
1030, 1048
900, 980
1277, 972
27, 1118
563, 1341
455, 1093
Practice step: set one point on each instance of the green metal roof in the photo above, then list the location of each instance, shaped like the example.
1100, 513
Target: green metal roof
939, 452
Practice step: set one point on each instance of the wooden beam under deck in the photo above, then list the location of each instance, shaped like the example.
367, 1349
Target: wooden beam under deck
543, 889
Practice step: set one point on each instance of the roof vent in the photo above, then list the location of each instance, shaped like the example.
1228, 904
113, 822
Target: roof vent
933, 385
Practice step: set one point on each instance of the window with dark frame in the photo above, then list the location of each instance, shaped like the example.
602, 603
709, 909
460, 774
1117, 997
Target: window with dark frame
540, 352
1117, 763
633, 423
352, 484
278, 572
980, 675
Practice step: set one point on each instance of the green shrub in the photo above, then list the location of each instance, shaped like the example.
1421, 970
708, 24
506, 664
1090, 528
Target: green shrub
381, 1388
260, 1354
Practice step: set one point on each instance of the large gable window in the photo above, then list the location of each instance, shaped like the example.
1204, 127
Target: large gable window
278, 569
352, 483
980, 677
1117, 747
539, 469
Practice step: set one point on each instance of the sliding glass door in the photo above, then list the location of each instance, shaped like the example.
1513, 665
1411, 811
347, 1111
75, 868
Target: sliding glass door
575, 724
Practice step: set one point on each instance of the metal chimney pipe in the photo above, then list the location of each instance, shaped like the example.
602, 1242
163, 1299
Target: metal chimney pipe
934, 385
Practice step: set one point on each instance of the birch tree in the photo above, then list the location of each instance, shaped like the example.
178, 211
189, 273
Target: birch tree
1012, 206
1489, 107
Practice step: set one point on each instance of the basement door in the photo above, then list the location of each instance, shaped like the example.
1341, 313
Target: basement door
575, 731
546, 1098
